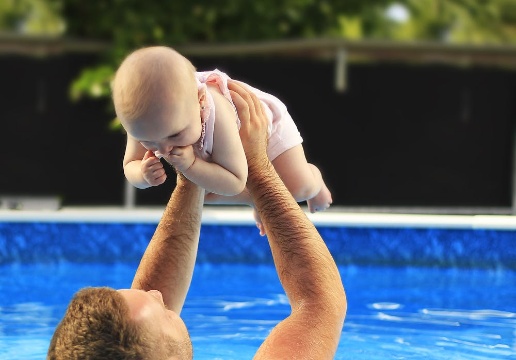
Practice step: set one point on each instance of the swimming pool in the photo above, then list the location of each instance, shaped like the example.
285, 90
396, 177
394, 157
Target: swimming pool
418, 286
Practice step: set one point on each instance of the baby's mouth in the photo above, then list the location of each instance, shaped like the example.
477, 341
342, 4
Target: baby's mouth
159, 155
162, 156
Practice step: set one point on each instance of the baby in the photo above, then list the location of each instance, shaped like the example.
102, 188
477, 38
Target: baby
171, 111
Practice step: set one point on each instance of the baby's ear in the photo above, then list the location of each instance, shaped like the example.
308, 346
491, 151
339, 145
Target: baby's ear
201, 93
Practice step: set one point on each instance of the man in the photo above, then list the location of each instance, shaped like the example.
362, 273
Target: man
143, 322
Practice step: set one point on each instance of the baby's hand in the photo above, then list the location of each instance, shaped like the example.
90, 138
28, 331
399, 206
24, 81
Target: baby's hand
152, 169
181, 157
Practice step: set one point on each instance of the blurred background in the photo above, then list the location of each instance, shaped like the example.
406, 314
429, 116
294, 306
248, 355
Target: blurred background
404, 105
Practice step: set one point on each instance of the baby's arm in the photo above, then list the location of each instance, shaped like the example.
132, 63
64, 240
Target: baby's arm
141, 167
226, 174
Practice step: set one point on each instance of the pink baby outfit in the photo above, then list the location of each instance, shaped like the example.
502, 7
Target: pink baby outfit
283, 132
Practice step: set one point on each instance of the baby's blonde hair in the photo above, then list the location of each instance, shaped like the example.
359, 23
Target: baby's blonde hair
149, 76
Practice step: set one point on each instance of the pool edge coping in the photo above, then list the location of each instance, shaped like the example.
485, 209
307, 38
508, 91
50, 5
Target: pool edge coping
244, 216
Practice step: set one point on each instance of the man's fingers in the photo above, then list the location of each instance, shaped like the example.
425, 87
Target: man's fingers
253, 103
241, 106
241, 94
246, 95
238, 88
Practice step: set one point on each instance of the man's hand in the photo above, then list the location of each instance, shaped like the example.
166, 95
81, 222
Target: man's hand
152, 169
253, 122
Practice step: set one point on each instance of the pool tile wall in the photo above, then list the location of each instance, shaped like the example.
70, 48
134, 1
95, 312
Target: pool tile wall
49, 242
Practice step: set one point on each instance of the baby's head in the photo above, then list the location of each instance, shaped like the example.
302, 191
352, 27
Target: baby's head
155, 94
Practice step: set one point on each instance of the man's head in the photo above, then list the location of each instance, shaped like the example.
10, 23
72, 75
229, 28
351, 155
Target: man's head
103, 323
157, 98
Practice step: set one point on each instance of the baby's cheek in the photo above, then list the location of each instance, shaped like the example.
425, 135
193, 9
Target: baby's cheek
148, 146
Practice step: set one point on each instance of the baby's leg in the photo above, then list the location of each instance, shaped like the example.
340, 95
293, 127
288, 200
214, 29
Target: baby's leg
323, 199
302, 179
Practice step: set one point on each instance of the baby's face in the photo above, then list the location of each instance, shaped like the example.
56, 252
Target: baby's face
165, 128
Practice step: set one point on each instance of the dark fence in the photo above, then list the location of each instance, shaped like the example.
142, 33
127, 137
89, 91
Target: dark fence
399, 135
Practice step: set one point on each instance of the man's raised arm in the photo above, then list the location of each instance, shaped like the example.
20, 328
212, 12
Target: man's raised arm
168, 262
303, 262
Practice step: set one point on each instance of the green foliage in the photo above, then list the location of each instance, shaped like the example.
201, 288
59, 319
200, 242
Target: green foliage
463, 21
130, 24
94, 83
31, 17
11, 14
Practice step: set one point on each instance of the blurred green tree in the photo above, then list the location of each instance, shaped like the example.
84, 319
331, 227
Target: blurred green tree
129, 24
459, 21
31, 17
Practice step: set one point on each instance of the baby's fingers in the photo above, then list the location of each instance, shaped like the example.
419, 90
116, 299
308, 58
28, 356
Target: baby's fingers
149, 154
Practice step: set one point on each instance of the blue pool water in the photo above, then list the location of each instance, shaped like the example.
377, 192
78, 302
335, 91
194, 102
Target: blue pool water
413, 292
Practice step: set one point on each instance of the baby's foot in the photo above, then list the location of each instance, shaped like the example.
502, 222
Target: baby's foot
321, 201
259, 223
